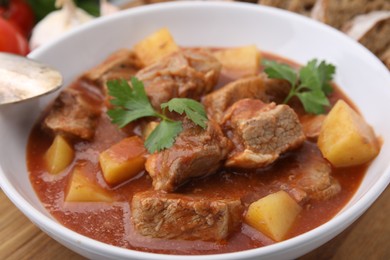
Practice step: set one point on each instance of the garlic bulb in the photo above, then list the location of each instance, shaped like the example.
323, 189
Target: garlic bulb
58, 22
107, 8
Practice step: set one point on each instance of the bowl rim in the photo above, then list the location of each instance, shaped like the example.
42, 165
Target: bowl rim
316, 234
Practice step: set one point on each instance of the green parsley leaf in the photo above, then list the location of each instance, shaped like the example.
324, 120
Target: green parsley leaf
326, 73
309, 77
276, 70
311, 84
193, 109
163, 136
131, 103
313, 101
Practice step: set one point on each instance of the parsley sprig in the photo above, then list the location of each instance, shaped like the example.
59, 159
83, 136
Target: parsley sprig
132, 103
311, 84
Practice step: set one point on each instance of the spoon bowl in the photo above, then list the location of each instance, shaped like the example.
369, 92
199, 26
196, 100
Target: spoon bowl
22, 79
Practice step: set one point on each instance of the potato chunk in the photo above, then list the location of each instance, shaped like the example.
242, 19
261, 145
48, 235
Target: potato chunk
123, 160
241, 61
155, 47
273, 215
81, 189
148, 129
345, 138
59, 155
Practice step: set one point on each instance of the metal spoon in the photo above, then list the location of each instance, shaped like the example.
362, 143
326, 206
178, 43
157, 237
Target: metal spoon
22, 79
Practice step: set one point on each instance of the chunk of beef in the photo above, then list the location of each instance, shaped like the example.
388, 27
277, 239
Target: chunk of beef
260, 132
196, 152
311, 179
312, 125
121, 64
176, 216
315, 179
217, 102
298, 194
276, 89
188, 73
259, 87
73, 115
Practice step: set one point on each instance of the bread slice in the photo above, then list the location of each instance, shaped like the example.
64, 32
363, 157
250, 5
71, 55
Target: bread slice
385, 57
337, 12
298, 6
372, 30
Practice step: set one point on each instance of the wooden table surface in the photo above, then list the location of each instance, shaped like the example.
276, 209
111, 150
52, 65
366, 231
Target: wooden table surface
367, 238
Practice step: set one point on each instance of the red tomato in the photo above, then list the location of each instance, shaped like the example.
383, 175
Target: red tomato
11, 40
19, 13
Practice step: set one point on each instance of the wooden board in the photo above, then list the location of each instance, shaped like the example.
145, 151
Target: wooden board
367, 238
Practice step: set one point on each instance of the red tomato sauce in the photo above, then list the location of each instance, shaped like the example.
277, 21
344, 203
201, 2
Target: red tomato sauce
111, 222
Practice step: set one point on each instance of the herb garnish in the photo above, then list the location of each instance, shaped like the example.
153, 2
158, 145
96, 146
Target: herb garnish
311, 84
132, 103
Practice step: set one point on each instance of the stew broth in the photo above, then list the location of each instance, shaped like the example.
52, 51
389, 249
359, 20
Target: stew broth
111, 222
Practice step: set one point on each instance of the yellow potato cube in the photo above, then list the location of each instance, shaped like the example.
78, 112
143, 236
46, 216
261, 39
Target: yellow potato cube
155, 47
59, 155
148, 129
81, 189
241, 61
345, 138
123, 160
273, 215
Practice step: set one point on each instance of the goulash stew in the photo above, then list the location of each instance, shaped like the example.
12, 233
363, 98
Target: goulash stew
176, 150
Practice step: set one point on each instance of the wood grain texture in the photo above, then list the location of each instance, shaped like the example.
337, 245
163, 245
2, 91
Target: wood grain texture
367, 238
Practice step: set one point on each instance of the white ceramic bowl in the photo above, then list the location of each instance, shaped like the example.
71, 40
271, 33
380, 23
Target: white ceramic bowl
361, 75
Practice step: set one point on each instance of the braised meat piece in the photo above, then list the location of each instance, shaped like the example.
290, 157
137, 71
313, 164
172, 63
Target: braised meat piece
312, 125
72, 115
260, 132
121, 64
218, 101
311, 180
188, 73
177, 216
258, 87
314, 177
196, 153
276, 89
